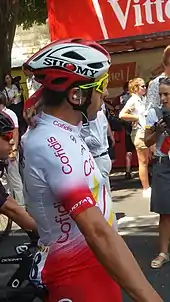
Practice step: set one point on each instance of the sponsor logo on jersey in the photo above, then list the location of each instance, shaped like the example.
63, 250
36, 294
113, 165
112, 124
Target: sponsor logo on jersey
62, 219
84, 71
82, 149
62, 126
88, 166
59, 152
73, 139
80, 203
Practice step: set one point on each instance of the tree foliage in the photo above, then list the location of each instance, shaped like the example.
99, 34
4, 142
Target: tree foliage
32, 11
13, 12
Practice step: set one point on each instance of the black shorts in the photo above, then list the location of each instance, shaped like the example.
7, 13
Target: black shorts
3, 195
128, 143
111, 150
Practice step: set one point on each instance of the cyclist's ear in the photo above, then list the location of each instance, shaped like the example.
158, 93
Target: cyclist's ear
75, 96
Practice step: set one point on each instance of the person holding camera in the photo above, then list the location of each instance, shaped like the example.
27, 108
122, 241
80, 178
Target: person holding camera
158, 132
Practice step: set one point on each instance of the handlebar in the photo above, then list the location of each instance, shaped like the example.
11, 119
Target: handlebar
26, 294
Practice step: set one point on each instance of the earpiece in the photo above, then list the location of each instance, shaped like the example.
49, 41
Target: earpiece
75, 97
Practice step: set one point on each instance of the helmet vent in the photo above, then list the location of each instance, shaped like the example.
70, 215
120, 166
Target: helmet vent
59, 81
73, 55
95, 65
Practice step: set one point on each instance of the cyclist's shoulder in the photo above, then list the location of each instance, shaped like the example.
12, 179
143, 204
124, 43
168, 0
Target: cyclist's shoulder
47, 145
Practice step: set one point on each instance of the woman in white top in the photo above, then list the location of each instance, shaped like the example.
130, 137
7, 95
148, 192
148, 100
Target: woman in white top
11, 91
15, 101
134, 111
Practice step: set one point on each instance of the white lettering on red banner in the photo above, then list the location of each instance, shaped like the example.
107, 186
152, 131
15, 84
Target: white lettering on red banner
148, 6
112, 19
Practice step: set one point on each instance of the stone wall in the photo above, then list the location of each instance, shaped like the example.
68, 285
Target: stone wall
27, 42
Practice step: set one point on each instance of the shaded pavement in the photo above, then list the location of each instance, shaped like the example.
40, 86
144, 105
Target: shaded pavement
136, 224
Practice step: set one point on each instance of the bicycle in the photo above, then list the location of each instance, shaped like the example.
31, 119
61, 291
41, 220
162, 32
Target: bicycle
5, 226
15, 289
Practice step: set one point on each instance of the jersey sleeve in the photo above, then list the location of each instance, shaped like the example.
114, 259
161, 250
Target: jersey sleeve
91, 135
66, 178
3, 195
151, 118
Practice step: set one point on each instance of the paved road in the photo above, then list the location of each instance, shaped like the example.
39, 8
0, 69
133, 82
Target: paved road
138, 227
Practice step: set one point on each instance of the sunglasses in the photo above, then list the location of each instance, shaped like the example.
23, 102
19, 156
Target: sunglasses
100, 85
7, 136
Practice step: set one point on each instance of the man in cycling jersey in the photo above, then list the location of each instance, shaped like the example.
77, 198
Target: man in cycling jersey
80, 254
8, 206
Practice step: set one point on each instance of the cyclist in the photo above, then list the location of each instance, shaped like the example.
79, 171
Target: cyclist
80, 254
8, 205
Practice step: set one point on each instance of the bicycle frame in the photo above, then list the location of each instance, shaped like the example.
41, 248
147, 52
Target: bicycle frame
13, 292
24, 259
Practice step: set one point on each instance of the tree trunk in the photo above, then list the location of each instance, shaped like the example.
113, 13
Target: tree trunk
8, 19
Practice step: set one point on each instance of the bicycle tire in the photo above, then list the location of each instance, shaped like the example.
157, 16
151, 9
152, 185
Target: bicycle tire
7, 227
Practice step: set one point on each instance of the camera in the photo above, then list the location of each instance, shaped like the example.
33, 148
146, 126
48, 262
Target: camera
166, 119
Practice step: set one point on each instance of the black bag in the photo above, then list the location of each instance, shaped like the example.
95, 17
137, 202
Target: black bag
114, 121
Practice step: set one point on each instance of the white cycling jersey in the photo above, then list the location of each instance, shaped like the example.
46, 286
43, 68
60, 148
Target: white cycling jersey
61, 181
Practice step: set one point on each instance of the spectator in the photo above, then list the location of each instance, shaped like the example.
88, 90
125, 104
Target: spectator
32, 84
124, 97
110, 132
149, 82
13, 176
134, 111
153, 98
158, 131
15, 100
8, 206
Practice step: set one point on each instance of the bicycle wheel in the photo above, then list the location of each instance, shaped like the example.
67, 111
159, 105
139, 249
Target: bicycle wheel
5, 226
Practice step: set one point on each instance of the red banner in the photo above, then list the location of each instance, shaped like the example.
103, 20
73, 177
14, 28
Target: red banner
107, 19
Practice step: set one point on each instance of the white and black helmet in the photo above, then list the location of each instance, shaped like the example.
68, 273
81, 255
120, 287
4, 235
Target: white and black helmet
62, 63
6, 123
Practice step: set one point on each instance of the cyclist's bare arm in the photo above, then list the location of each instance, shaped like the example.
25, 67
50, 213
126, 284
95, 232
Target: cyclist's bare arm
112, 252
18, 214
